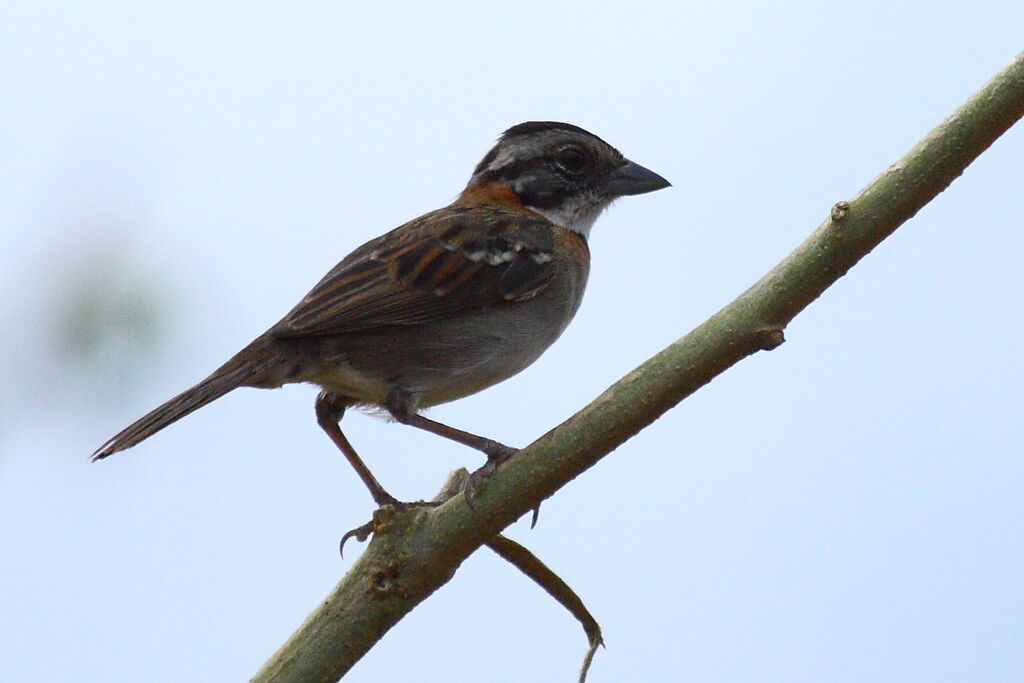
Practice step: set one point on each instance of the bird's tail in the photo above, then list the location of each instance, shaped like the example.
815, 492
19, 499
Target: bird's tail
237, 372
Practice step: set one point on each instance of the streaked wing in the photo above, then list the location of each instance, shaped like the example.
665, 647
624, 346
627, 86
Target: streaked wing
449, 262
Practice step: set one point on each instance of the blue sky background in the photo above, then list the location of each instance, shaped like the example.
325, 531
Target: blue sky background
847, 507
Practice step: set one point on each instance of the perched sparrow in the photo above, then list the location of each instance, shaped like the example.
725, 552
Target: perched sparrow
446, 305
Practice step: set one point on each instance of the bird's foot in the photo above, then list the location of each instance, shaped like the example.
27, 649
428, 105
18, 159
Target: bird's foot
381, 518
497, 454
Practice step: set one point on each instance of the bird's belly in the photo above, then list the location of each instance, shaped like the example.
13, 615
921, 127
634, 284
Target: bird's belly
448, 359
440, 362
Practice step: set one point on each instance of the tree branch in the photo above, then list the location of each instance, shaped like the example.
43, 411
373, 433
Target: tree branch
414, 553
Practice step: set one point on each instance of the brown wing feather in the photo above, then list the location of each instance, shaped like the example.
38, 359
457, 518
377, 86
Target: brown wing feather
448, 262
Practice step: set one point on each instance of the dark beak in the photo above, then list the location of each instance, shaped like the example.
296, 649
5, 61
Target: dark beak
633, 178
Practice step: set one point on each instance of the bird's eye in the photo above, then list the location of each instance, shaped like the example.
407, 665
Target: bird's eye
572, 160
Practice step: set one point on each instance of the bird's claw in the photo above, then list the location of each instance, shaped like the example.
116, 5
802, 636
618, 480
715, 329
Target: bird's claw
536, 514
360, 533
472, 484
475, 481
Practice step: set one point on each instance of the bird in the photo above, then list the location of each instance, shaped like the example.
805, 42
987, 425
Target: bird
443, 306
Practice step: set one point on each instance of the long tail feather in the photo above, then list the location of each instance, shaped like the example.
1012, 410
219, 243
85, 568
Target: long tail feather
233, 374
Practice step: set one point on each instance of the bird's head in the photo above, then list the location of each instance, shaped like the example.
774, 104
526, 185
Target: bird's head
562, 172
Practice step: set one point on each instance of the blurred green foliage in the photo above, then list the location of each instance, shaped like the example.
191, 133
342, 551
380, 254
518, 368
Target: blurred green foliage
109, 318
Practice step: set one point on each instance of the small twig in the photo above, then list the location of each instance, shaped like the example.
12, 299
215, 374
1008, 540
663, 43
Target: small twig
530, 564
525, 561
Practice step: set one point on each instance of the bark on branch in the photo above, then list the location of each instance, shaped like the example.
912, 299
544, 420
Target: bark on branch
414, 553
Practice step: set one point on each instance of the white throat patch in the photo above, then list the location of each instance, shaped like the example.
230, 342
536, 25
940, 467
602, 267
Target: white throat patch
577, 214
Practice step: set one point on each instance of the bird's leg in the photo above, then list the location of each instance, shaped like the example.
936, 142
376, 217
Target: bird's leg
402, 408
329, 409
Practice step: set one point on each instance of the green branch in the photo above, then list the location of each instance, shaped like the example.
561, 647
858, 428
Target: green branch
414, 553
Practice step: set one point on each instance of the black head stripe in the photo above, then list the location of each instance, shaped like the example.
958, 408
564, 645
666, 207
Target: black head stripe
531, 127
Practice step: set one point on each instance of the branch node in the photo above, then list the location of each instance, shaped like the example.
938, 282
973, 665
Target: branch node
839, 211
383, 580
770, 338
453, 485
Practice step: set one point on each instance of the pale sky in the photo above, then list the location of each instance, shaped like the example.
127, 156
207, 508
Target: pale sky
848, 507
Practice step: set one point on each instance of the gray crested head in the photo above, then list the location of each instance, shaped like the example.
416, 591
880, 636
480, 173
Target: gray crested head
563, 172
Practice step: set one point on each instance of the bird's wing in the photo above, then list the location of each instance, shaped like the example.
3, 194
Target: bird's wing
449, 262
